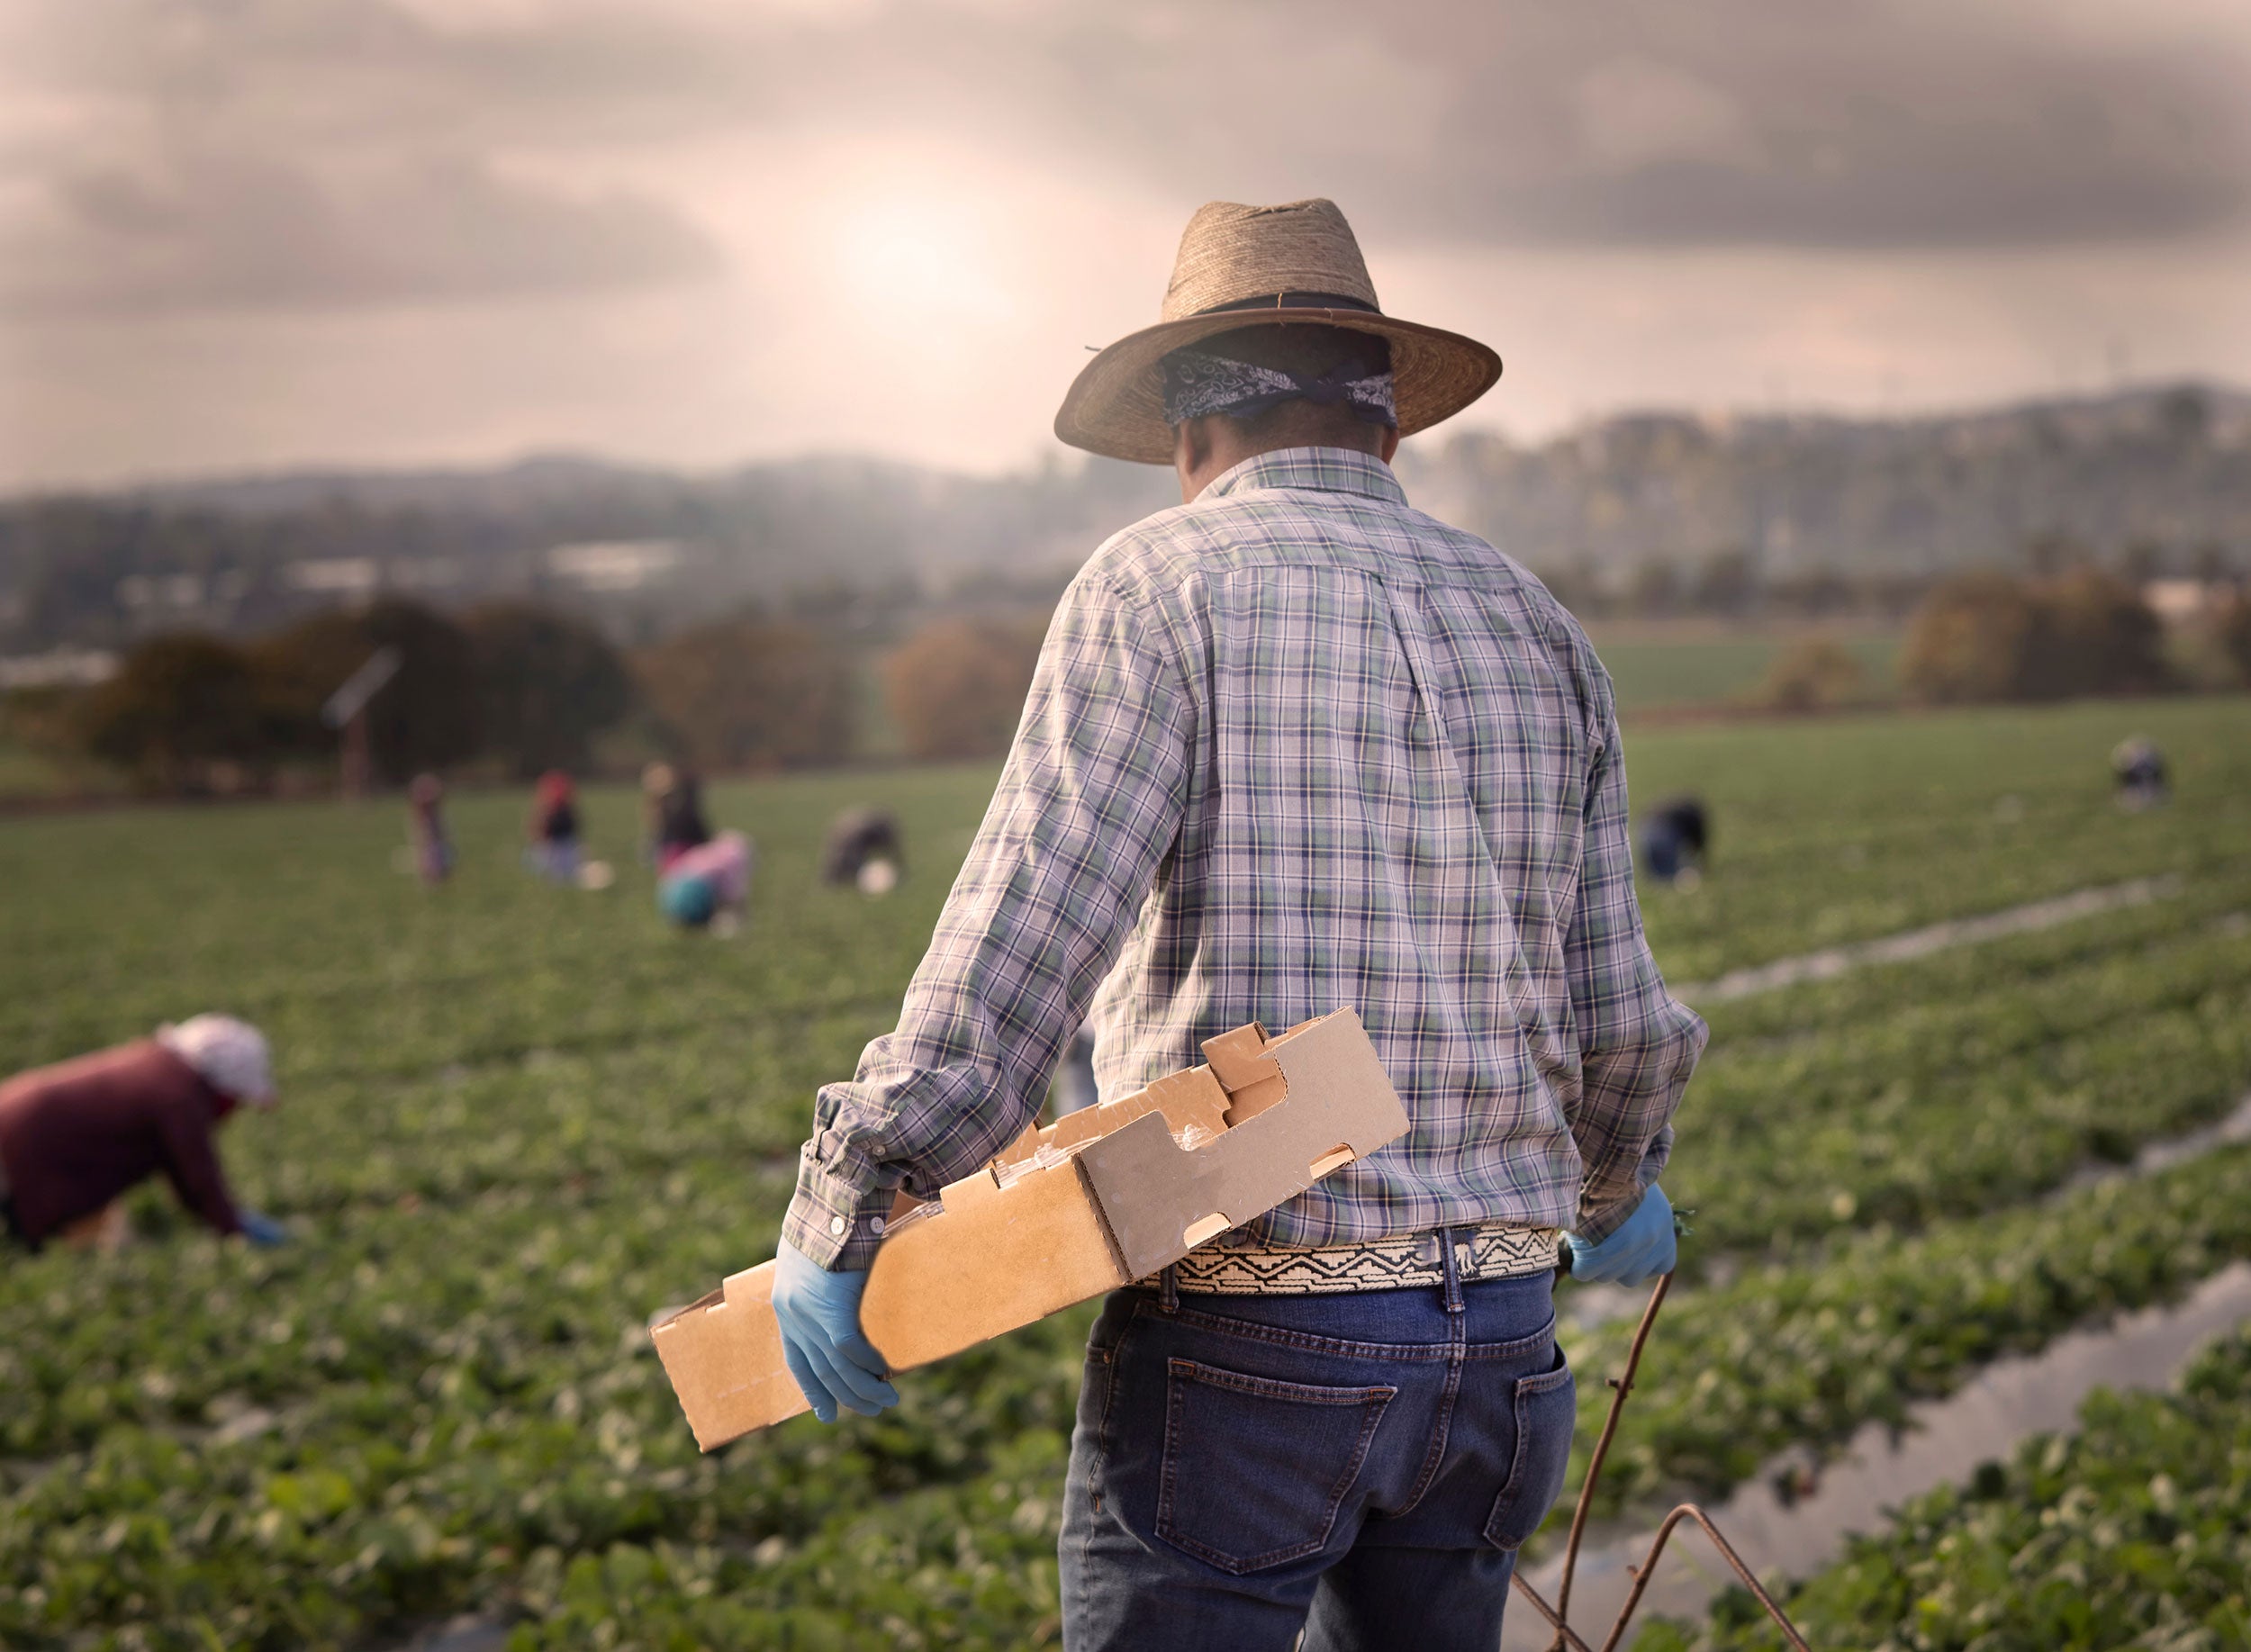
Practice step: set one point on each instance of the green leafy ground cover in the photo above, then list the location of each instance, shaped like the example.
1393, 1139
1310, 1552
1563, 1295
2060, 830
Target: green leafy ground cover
1663, 666
519, 1119
2134, 1531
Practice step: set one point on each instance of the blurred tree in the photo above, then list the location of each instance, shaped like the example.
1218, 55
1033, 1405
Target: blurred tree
547, 684
1969, 639
1573, 586
2103, 638
180, 706
2143, 561
956, 688
2234, 637
425, 717
1815, 673
2186, 415
1814, 592
1724, 582
1652, 588
1989, 637
2049, 552
748, 694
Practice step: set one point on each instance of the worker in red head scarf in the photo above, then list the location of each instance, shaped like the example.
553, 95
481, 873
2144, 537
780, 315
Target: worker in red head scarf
553, 828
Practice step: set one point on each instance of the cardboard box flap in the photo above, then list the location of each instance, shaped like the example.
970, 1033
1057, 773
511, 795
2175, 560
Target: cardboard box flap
1160, 1202
1252, 1078
726, 1350
1189, 1099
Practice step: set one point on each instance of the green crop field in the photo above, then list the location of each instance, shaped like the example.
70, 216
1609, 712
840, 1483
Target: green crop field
519, 1120
1667, 665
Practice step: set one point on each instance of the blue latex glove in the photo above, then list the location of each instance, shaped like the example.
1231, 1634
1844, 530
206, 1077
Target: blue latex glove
262, 1230
1640, 1249
833, 1361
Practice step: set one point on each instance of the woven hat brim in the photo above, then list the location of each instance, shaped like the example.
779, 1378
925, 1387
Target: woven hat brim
1115, 406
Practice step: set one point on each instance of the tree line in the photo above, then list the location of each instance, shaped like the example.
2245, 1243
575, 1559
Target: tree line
518, 689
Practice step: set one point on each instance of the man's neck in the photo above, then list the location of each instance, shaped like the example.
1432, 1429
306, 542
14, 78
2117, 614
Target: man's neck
1203, 449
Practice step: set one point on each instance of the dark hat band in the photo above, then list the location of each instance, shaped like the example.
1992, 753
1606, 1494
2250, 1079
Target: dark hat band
1294, 300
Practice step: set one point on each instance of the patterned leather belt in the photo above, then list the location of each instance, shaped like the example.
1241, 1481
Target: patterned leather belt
1497, 1250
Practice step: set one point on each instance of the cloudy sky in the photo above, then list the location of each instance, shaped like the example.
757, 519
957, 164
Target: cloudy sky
241, 234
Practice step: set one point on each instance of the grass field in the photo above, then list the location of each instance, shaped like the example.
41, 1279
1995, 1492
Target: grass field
519, 1119
1667, 665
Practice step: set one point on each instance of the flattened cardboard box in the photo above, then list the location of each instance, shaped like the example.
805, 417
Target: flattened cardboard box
1113, 1199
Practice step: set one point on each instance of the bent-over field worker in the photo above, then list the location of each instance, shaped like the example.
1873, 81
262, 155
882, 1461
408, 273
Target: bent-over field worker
76, 1136
1293, 746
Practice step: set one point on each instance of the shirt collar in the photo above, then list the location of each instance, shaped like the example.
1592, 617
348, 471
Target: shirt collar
1326, 470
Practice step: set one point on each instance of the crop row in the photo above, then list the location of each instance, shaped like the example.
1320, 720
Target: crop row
371, 1505
2129, 1533
1954, 1107
1807, 1353
971, 1563
407, 1450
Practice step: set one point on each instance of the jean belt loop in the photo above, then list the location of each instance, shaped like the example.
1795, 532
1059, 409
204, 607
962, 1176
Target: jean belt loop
1169, 1291
1452, 1264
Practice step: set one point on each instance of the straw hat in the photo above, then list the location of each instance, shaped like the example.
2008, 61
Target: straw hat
1274, 266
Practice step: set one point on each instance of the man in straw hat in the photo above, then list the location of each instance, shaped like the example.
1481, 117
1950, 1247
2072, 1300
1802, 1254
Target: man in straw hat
1290, 746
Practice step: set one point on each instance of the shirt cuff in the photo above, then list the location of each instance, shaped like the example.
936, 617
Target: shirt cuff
1594, 1226
834, 1222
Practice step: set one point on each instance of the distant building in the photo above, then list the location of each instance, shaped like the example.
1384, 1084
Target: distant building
2176, 601
141, 592
335, 576
57, 668
614, 564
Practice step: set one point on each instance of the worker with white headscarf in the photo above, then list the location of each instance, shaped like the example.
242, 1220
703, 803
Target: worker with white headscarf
76, 1135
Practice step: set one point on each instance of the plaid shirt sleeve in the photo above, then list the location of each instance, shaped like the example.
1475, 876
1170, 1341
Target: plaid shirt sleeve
1637, 1045
1087, 806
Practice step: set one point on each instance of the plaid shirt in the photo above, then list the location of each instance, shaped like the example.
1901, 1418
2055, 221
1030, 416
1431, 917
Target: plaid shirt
1292, 746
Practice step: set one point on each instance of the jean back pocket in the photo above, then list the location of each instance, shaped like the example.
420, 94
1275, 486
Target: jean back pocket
1546, 1411
1255, 1470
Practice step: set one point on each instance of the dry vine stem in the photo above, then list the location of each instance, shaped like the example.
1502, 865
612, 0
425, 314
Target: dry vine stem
1559, 1615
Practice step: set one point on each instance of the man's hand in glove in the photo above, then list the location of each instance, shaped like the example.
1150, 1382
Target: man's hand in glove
1638, 1251
821, 1339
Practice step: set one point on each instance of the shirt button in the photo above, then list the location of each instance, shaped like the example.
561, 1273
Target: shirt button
875, 1224
837, 1226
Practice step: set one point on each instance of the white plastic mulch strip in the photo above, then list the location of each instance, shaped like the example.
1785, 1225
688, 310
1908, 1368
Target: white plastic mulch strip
1835, 961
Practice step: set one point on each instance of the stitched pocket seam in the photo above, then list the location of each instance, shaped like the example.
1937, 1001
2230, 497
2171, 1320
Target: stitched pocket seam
1526, 1389
1181, 1374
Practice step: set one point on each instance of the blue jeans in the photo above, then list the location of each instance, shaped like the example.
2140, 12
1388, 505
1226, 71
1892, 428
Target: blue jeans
1362, 1467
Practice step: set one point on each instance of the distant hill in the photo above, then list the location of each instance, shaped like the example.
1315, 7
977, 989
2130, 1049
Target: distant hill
2168, 466
1787, 495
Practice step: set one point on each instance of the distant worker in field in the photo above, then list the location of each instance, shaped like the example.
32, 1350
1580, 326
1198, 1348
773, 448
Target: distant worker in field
1675, 837
2138, 768
426, 830
552, 831
77, 1135
708, 886
863, 850
1292, 745
672, 810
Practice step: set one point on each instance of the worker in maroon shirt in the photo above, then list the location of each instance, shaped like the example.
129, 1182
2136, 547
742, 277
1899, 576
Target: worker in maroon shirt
76, 1136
